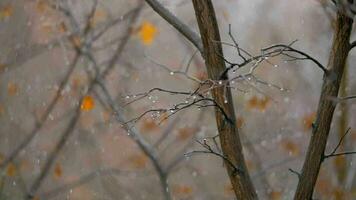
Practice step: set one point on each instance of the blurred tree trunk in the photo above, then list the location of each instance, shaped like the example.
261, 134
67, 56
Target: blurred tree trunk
340, 162
326, 108
228, 132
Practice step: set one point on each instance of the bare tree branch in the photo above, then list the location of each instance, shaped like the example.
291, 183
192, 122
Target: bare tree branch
176, 23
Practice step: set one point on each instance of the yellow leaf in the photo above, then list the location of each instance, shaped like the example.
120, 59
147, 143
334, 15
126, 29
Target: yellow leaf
147, 33
88, 103
11, 170
6, 12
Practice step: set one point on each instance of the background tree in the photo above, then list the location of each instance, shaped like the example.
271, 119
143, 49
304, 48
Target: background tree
95, 100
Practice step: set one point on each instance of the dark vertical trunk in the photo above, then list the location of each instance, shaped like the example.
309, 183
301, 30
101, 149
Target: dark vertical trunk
228, 132
326, 108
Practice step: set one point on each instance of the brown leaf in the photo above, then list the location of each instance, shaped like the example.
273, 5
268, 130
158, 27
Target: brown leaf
76, 41
11, 170
185, 133
182, 190
256, 103
2, 67
2, 157
275, 195
57, 172
291, 147
2, 111
12, 89
149, 125
138, 161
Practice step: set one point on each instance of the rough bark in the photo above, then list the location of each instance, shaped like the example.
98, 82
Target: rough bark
326, 108
228, 132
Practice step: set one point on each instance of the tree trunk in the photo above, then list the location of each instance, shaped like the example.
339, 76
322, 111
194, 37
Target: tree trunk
330, 88
228, 132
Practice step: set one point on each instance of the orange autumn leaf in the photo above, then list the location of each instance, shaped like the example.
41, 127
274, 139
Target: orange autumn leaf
11, 170
138, 161
308, 121
88, 103
182, 190
147, 33
6, 12
185, 133
12, 89
58, 171
275, 195
149, 125
258, 103
291, 147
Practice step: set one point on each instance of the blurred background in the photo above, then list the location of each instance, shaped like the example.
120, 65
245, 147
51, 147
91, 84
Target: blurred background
66, 141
